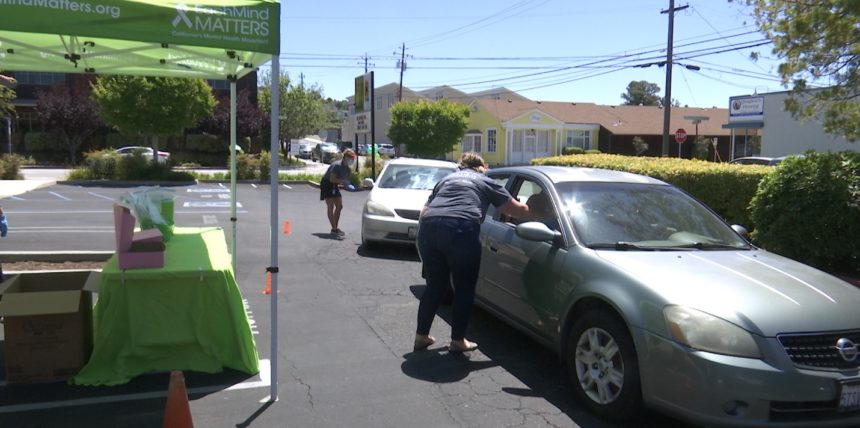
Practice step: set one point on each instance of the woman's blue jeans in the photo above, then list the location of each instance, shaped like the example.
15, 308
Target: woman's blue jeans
451, 251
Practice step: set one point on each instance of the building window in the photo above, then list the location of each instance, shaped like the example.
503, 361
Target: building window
581, 139
379, 103
39, 78
472, 143
391, 100
491, 141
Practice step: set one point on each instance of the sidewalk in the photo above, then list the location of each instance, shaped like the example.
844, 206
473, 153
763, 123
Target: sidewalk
10, 188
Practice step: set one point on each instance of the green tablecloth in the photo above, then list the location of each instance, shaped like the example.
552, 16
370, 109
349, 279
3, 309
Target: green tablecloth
188, 315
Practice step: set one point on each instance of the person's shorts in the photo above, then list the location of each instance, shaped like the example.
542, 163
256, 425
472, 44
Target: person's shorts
328, 190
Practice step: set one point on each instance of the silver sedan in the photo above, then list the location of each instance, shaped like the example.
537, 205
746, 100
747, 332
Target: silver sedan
652, 300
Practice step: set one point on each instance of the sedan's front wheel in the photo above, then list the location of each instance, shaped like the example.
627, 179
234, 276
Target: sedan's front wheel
601, 363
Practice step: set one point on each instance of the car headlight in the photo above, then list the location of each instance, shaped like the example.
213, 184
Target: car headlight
376, 208
706, 332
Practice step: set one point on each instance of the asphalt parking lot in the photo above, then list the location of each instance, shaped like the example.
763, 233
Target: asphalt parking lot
346, 321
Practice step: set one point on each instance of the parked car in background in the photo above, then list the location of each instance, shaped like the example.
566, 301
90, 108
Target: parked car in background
305, 149
756, 160
652, 300
324, 152
391, 211
386, 149
146, 152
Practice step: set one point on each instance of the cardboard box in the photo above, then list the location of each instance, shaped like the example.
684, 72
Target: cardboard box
47, 322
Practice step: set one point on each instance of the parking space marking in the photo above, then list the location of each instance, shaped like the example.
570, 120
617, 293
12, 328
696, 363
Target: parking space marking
59, 196
214, 204
210, 219
208, 190
223, 196
101, 196
264, 375
288, 187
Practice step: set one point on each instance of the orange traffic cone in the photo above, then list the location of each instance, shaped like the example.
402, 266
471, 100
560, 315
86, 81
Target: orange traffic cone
268, 289
177, 413
287, 228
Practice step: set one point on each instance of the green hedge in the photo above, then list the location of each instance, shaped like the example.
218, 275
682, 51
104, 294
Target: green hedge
809, 210
726, 188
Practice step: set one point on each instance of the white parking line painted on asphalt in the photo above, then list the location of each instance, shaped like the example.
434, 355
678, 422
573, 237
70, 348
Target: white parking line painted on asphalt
264, 376
59, 196
207, 190
17, 198
214, 204
223, 196
253, 185
101, 196
288, 187
210, 219
222, 185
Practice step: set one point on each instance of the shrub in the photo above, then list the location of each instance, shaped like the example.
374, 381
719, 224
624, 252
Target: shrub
571, 150
809, 210
264, 166
10, 167
726, 188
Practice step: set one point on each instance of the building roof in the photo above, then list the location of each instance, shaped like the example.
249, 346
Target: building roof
620, 120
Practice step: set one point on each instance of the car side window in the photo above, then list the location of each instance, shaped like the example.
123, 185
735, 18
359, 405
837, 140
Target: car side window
538, 199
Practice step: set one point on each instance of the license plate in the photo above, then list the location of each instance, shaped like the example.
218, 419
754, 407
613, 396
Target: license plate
849, 398
412, 233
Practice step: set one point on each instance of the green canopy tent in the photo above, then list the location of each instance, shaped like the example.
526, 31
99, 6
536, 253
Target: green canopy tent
210, 39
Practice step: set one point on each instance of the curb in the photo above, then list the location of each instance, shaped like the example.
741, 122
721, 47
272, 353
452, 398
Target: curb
54, 256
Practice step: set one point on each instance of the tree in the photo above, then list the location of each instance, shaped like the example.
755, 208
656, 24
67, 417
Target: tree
6, 96
249, 118
640, 92
154, 106
817, 41
428, 129
68, 112
302, 108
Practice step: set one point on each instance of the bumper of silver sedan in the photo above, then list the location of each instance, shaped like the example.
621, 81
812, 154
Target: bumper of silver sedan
388, 228
721, 390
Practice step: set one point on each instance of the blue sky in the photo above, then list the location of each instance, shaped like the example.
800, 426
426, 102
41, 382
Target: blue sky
549, 50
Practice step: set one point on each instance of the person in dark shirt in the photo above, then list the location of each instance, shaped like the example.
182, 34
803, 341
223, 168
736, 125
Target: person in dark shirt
336, 175
450, 248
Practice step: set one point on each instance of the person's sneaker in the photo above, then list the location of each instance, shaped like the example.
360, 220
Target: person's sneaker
337, 232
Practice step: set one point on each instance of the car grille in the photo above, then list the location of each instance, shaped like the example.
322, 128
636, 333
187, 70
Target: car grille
818, 350
410, 214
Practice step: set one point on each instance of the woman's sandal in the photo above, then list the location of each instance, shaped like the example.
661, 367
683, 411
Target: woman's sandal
423, 342
456, 348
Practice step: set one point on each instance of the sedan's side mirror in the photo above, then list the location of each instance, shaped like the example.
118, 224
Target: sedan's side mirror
367, 183
741, 231
537, 231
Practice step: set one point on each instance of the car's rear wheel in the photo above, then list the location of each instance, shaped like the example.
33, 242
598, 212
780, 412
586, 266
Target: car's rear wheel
602, 365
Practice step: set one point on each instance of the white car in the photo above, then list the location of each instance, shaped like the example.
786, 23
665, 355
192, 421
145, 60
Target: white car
391, 211
386, 149
146, 152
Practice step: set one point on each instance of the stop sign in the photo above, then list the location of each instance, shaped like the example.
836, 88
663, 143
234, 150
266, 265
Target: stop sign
680, 135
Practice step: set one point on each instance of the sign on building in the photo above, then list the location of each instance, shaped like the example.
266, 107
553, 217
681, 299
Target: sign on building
746, 109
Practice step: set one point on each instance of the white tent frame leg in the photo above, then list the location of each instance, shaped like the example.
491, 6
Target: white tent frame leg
273, 227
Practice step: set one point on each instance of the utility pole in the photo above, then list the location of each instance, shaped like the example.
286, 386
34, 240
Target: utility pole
667, 100
402, 67
366, 58
302, 80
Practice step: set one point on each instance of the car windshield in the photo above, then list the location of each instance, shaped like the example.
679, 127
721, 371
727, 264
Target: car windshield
412, 176
633, 216
328, 147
